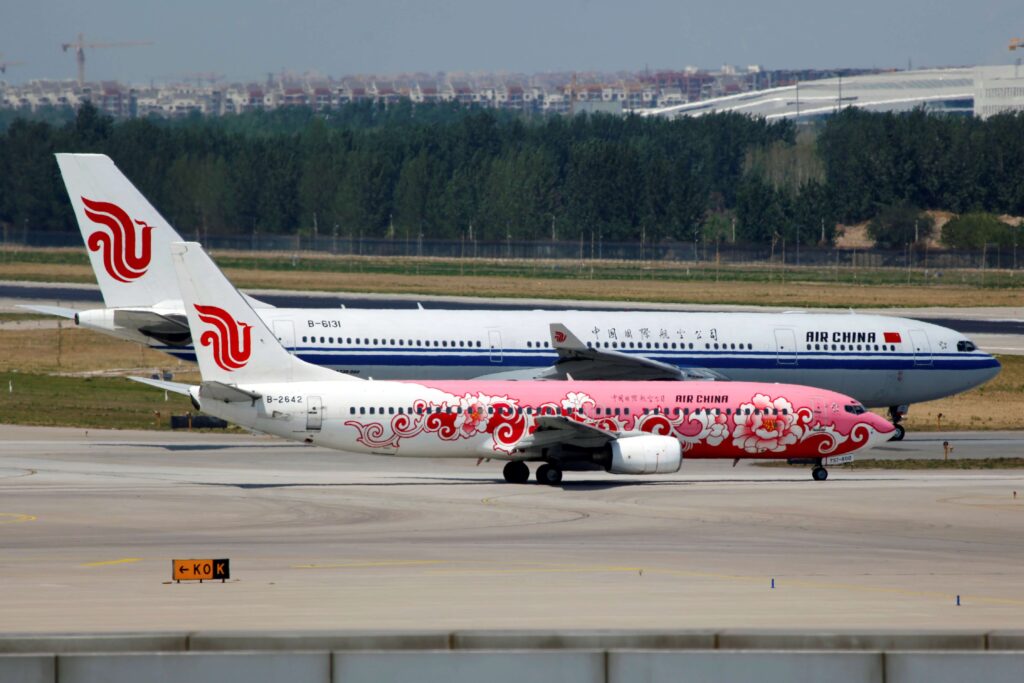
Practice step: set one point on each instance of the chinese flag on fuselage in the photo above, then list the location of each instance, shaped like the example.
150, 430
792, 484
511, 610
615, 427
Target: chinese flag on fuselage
892, 337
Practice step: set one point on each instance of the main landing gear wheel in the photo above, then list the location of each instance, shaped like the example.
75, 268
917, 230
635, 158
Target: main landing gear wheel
516, 472
896, 415
549, 474
819, 473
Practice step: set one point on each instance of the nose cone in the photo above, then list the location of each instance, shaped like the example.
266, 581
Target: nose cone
880, 430
990, 370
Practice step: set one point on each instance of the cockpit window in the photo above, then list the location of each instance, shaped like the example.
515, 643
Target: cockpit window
855, 409
965, 345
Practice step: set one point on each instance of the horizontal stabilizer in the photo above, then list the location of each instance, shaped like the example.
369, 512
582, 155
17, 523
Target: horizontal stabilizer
175, 387
228, 393
50, 310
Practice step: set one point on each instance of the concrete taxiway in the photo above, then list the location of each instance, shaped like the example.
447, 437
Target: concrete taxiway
89, 523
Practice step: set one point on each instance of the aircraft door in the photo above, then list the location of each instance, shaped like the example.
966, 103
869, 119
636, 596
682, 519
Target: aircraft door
494, 343
284, 330
785, 347
314, 414
922, 347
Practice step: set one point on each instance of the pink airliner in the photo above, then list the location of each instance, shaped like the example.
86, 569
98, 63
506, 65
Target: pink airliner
622, 427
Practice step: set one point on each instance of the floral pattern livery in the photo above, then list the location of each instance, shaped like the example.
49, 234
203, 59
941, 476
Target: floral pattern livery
764, 426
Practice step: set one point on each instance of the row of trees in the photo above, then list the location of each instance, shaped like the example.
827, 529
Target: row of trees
450, 172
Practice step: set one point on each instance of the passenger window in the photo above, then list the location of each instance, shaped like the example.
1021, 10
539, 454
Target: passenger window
391, 410
372, 410
352, 410
362, 410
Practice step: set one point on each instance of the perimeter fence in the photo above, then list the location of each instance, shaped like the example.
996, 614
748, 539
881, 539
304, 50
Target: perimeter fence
991, 257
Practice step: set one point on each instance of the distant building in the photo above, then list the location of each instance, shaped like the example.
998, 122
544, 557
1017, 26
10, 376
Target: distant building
800, 94
998, 91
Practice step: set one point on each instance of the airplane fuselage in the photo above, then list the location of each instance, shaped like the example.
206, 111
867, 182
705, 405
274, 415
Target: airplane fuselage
878, 360
490, 419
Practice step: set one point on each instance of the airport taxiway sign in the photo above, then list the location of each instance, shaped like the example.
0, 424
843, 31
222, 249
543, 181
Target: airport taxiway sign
200, 570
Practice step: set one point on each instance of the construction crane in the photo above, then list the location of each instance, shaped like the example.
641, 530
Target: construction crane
4, 65
79, 47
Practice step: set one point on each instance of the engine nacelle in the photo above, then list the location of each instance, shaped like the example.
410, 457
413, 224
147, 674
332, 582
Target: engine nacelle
101, 319
649, 454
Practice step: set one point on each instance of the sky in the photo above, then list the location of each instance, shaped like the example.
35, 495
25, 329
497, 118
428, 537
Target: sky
247, 39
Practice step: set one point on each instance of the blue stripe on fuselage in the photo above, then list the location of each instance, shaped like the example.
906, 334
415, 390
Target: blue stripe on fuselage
520, 358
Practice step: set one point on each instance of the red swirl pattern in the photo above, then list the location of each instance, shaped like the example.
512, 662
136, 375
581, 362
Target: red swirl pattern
122, 258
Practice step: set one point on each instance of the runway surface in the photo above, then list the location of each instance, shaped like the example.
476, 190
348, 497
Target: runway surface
89, 522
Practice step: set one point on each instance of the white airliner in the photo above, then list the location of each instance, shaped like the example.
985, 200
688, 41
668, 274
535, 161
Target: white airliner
623, 427
881, 361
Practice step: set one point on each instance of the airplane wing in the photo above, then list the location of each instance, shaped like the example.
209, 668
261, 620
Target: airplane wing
578, 361
555, 429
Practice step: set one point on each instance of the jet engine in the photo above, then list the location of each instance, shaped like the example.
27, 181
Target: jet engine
649, 454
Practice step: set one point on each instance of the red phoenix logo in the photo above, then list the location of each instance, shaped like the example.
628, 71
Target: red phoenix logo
559, 336
123, 259
231, 341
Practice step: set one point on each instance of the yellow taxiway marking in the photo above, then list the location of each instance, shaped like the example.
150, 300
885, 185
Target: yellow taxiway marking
104, 563
14, 518
359, 565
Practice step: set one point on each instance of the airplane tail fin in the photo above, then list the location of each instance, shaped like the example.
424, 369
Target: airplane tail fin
233, 345
127, 239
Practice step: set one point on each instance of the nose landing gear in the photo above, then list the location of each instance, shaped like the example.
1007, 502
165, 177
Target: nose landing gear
819, 473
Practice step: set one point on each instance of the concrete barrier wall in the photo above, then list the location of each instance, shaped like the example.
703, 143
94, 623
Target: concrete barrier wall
514, 656
195, 667
228, 641
746, 667
516, 666
570, 666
